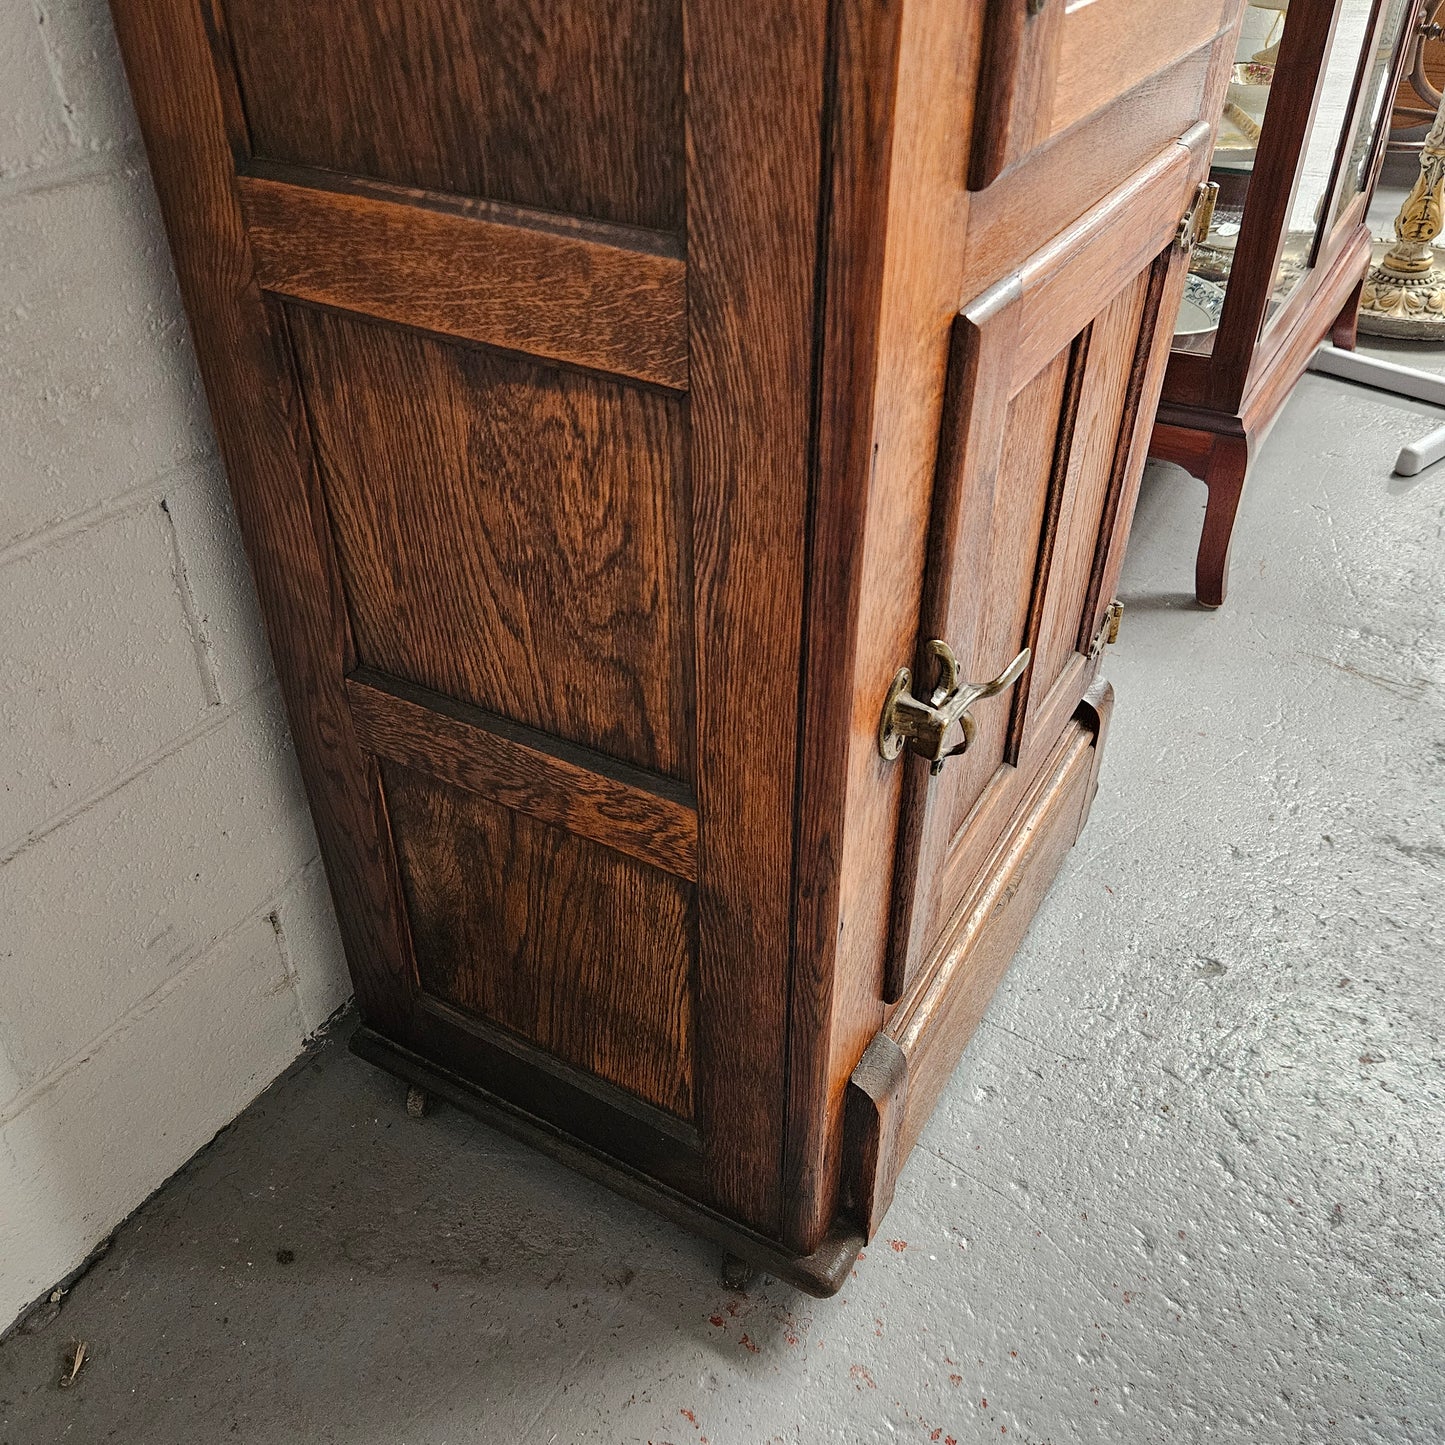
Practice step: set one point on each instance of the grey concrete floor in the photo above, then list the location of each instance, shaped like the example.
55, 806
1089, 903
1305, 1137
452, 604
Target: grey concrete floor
1186, 1185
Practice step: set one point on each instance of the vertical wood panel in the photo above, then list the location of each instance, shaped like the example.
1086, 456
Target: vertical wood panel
754, 86
528, 927
564, 105
509, 533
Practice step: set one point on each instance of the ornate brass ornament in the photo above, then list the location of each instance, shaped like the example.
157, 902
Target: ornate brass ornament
1404, 293
1195, 222
924, 726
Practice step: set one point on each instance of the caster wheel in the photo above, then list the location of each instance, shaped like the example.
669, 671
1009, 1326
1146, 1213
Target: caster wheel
737, 1273
418, 1102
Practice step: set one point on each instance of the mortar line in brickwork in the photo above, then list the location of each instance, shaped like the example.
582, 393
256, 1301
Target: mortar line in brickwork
191, 611
147, 493
126, 159
187, 963
213, 719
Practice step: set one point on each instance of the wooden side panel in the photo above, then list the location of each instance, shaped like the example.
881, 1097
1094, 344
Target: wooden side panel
569, 107
509, 535
586, 295
579, 949
636, 813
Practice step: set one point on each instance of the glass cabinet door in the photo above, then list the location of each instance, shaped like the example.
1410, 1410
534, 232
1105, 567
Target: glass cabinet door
1317, 168
1232, 166
1373, 107
1341, 83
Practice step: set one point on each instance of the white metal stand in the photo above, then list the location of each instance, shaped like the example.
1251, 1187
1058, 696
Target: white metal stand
1398, 381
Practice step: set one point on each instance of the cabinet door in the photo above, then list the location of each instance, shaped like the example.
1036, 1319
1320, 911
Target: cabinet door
1053, 379
1046, 65
504, 310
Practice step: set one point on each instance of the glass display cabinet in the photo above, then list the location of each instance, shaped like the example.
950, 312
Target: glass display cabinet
1299, 144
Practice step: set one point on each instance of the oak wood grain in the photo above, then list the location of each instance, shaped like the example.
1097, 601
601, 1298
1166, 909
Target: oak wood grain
864, 55
569, 107
588, 295
523, 925
755, 98
648, 817
510, 535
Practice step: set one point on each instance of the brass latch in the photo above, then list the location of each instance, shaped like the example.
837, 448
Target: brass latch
924, 726
1197, 220
1108, 628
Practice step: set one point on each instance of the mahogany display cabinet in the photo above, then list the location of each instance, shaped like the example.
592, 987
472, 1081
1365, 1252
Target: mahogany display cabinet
685, 451
1300, 143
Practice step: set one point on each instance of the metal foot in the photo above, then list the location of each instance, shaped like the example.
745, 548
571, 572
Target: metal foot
736, 1273
418, 1102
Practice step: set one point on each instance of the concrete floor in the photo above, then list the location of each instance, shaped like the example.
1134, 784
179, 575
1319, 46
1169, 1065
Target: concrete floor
1186, 1185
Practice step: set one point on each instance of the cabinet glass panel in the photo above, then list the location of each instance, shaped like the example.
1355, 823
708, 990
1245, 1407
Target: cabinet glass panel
1374, 103
1232, 164
1322, 150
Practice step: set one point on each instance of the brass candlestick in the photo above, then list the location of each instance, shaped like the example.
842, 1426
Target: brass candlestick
1404, 293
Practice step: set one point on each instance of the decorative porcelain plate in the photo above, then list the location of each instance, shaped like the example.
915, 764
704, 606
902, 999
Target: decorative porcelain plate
1201, 308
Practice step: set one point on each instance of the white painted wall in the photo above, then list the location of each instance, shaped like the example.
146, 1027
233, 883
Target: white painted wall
166, 937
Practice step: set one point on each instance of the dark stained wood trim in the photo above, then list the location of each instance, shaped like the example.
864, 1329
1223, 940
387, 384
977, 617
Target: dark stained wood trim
755, 102
648, 817
820, 1273
266, 450
544, 1062
491, 274
876, 1100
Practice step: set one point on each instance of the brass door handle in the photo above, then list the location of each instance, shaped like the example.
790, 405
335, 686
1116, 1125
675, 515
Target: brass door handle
924, 726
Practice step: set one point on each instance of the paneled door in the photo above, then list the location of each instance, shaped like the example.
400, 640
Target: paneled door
504, 311
1053, 377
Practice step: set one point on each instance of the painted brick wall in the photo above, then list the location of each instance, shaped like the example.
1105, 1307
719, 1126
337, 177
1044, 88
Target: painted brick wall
166, 937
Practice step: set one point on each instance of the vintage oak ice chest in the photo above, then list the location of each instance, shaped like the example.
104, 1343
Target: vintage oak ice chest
617, 396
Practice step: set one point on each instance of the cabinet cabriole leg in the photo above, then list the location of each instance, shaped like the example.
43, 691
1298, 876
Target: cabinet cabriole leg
1228, 463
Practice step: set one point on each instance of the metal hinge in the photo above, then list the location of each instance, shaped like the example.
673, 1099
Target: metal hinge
1108, 629
1196, 221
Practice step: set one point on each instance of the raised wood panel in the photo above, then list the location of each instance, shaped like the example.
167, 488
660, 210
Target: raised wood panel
645, 816
1048, 68
509, 535
526, 927
1110, 46
1114, 344
588, 295
1039, 418
567, 106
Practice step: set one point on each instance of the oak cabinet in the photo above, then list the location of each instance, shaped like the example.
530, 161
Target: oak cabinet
645, 418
